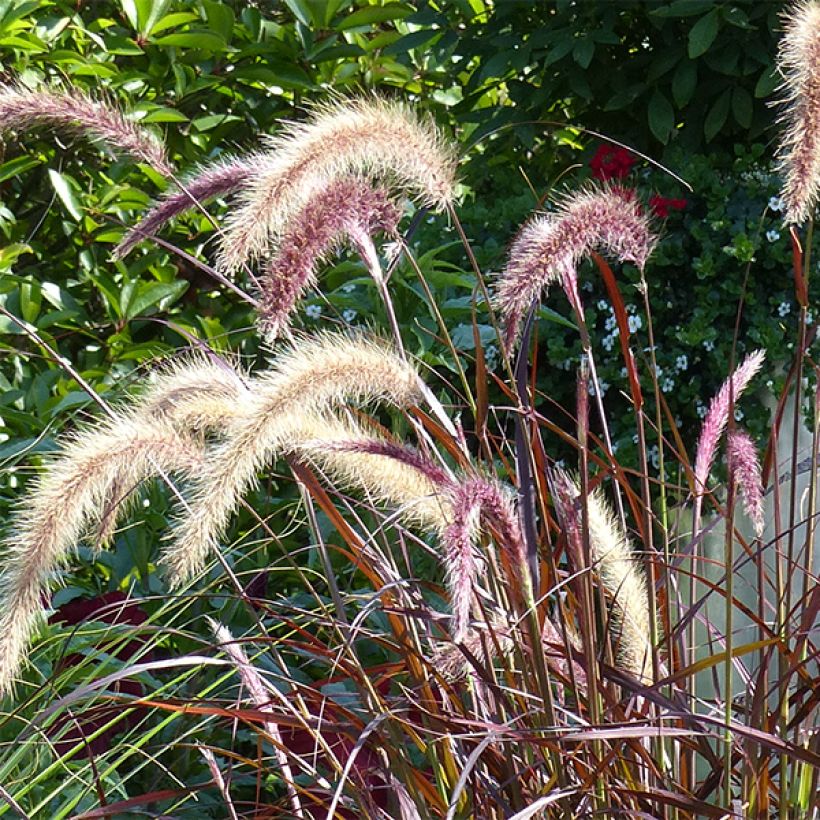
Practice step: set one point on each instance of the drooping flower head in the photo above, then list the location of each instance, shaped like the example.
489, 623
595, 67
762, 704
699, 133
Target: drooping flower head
368, 136
222, 177
744, 468
347, 210
549, 248
799, 156
21, 108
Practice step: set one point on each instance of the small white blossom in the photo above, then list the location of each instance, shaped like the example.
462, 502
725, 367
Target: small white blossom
653, 454
610, 323
630, 308
622, 372
809, 318
608, 342
709, 345
668, 385
738, 414
701, 410
772, 235
348, 287
313, 311
602, 305
775, 204
635, 324
349, 315
783, 309
681, 363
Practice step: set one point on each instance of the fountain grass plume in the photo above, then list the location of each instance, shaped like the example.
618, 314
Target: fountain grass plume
288, 404
225, 176
369, 136
799, 154
67, 500
348, 210
717, 418
21, 108
744, 468
549, 247
615, 563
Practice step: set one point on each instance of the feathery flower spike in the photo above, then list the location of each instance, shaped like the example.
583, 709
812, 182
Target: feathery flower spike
718, 416
617, 566
744, 468
348, 209
377, 138
225, 176
549, 248
799, 155
65, 501
287, 405
71, 108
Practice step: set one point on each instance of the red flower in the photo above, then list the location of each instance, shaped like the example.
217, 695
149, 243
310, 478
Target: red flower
661, 205
611, 162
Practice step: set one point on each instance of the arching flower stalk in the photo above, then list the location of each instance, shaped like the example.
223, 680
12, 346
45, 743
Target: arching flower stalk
377, 138
549, 248
799, 155
225, 176
347, 210
71, 497
744, 469
615, 563
71, 108
288, 404
715, 423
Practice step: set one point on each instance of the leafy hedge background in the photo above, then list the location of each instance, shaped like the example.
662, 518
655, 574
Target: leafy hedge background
530, 89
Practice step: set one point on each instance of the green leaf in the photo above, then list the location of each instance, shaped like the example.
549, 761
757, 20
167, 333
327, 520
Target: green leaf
661, 117
408, 42
742, 107
16, 166
583, 52
220, 18
62, 188
152, 293
716, 118
767, 82
31, 297
684, 81
178, 18
370, 15
163, 114
702, 34
203, 40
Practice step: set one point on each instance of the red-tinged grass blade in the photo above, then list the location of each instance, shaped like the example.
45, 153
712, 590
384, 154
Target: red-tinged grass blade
623, 329
675, 800
801, 286
481, 383
120, 806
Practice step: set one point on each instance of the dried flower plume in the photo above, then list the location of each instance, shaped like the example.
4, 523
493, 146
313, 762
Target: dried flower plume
377, 138
347, 210
618, 568
224, 176
744, 468
799, 155
68, 499
549, 248
287, 405
71, 108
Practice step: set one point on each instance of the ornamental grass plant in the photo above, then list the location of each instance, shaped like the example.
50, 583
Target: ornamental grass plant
474, 623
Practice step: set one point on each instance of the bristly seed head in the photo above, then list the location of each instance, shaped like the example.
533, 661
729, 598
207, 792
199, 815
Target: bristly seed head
380, 139
219, 178
744, 468
799, 155
348, 210
549, 248
71, 108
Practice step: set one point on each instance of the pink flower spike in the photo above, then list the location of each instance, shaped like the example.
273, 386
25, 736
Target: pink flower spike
549, 248
744, 469
71, 108
347, 210
222, 177
798, 61
718, 416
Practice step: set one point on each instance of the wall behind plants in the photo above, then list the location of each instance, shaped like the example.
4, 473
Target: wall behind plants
684, 82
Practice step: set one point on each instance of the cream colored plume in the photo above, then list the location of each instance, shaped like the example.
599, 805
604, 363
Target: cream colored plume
369, 136
622, 576
69, 498
288, 404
